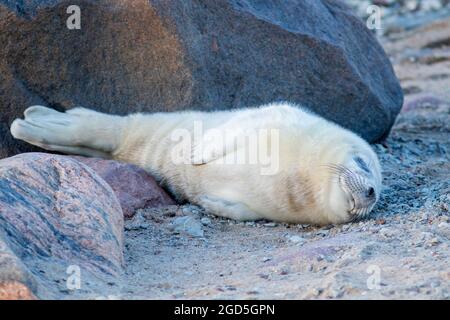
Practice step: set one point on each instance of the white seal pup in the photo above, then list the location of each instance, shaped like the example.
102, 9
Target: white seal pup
297, 167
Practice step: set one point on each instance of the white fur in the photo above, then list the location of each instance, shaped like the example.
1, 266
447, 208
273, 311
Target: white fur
303, 191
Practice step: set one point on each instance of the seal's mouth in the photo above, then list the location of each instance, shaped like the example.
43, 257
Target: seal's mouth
358, 188
352, 204
360, 206
361, 196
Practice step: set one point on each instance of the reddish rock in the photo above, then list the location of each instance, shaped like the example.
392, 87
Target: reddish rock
133, 186
16, 280
55, 212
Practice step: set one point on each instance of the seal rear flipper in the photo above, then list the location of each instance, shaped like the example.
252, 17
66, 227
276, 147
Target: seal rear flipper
77, 131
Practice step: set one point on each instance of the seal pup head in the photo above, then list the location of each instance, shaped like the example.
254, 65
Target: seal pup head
355, 185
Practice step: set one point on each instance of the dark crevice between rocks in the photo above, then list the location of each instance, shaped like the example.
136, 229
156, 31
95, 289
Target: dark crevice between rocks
438, 44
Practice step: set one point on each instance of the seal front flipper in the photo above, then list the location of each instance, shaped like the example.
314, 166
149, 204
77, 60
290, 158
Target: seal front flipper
208, 148
227, 209
219, 142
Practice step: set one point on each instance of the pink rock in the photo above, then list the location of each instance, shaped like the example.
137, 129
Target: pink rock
133, 186
15, 291
55, 212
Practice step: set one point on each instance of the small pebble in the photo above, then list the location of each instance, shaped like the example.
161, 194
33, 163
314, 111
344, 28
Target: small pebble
188, 225
205, 221
387, 232
444, 225
270, 224
296, 239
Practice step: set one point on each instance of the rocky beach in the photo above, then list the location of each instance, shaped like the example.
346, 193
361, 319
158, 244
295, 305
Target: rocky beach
78, 228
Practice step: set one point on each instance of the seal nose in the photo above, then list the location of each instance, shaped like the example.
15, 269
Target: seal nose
370, 193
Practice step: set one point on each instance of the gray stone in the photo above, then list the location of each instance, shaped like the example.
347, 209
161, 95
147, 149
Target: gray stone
296, 239
205, 221
270, 224
187, 225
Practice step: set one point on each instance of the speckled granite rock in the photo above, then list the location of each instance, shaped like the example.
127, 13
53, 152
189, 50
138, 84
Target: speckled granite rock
13, 290
54, 213
133, 186
16, 280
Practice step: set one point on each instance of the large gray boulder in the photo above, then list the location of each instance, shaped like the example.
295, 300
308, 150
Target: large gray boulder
194, 54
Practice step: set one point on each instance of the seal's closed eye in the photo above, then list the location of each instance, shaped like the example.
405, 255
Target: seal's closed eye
360, 162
